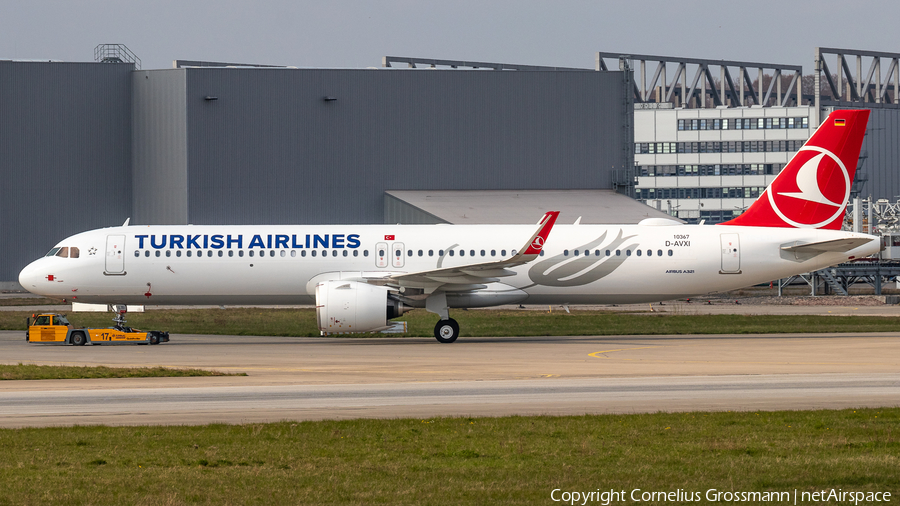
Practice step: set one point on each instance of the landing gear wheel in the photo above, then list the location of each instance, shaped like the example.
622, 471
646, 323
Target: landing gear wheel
446, 331
78, 339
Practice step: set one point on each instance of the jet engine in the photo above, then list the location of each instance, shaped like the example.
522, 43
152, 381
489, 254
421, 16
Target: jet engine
351, 306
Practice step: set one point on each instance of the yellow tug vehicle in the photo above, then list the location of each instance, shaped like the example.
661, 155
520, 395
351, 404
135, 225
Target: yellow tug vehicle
55, 328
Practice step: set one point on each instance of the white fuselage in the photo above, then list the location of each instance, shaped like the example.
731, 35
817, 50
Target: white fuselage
579, 264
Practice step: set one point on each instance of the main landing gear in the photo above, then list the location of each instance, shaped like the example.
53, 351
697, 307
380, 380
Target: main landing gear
446, 331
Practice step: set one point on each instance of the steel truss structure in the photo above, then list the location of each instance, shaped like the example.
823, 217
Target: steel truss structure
849, 88
706, 90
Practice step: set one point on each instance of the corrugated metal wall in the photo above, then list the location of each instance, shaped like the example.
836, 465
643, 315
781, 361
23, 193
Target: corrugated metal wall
159, 147
882, 145
270, 149
398, 211
65, 154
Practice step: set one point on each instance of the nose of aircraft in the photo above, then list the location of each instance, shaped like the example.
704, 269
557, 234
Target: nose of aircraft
31, 276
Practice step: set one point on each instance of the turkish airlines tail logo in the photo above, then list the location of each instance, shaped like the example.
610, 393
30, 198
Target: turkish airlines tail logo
813, 188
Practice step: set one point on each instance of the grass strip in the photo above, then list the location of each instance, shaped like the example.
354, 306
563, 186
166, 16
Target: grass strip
31, 301
510, 460
302, 322
39, 372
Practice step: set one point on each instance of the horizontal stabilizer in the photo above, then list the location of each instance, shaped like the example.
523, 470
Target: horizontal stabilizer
834, 245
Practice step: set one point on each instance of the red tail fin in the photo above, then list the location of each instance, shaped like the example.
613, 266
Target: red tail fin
813, 188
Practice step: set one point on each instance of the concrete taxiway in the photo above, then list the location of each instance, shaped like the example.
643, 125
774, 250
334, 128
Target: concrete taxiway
319, 378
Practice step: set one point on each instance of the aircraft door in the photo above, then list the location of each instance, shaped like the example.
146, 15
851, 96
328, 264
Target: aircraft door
115, 254
381, 255
731, 253
398, 257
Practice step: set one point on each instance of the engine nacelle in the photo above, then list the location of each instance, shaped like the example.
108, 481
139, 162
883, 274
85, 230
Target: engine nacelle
351, 306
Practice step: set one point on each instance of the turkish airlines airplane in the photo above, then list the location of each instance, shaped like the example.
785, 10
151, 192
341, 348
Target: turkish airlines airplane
361, 276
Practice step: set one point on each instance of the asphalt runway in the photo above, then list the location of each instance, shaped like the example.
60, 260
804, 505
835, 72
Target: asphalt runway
333, 378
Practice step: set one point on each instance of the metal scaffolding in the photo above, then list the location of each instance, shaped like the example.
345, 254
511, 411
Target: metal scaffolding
116, 53
705, 90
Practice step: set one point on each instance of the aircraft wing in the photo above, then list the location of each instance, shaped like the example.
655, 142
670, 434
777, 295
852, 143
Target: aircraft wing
473, 276
833, 245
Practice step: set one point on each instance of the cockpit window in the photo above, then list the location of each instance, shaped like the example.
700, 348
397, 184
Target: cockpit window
64, 252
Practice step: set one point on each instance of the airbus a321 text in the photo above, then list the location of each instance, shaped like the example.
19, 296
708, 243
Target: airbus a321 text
361, 276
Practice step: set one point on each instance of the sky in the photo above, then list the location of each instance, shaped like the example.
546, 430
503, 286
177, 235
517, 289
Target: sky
345, 33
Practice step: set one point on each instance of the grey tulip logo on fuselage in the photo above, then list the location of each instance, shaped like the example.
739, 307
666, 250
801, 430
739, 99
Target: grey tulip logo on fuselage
562, 270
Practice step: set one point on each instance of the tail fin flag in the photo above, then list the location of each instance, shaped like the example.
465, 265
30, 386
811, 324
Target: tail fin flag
813, 188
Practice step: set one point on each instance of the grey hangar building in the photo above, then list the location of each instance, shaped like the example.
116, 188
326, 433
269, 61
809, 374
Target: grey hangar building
87, 145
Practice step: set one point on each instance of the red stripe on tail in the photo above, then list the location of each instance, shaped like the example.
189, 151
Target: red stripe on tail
813, 188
